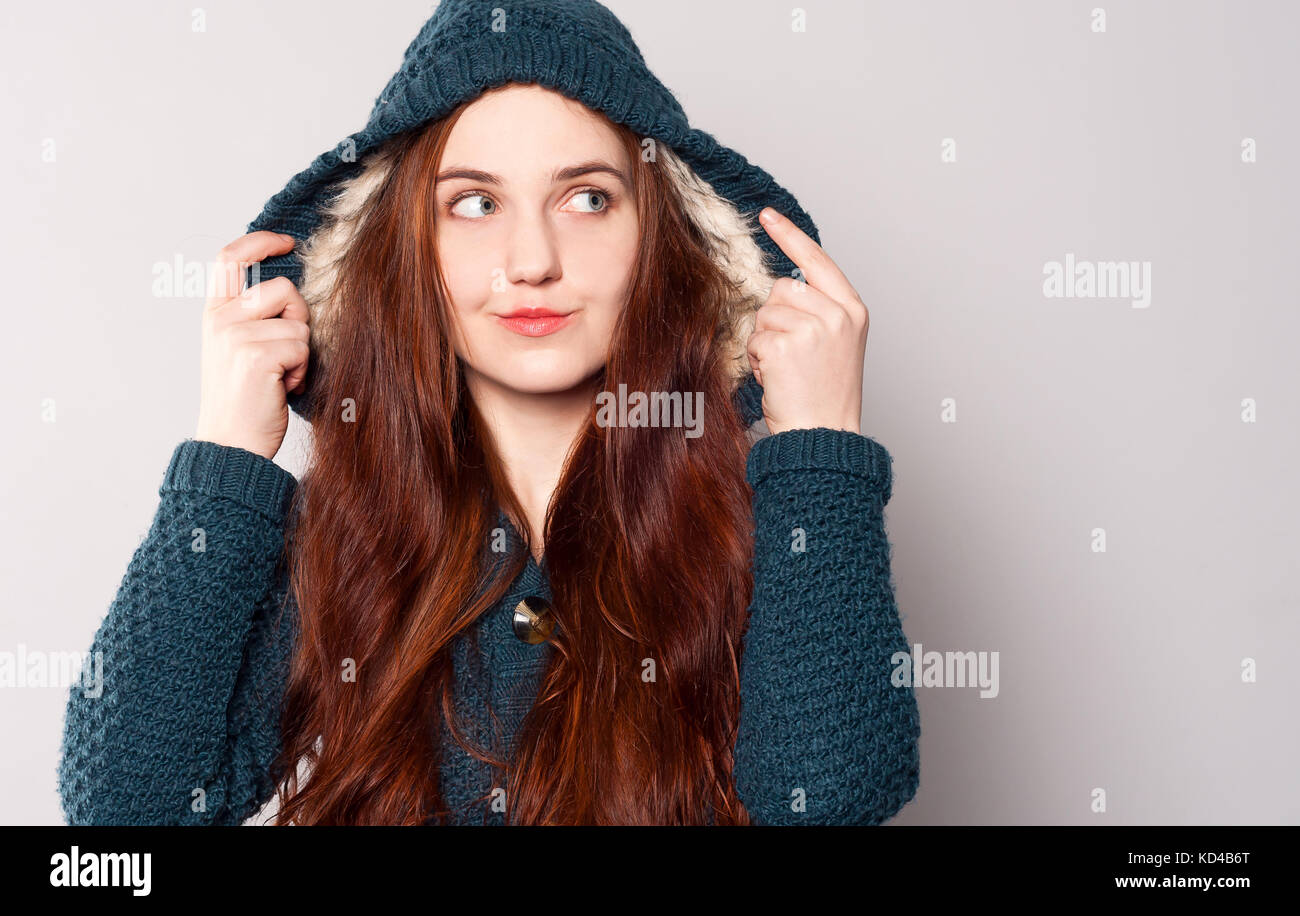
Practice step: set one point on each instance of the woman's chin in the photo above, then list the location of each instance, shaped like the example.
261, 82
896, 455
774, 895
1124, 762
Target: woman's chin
544, 377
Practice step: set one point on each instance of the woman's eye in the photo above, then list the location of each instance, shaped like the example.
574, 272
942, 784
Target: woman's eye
486, 208
587, 196
592, 201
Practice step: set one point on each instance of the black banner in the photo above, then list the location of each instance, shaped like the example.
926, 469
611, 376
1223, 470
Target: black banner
917, 864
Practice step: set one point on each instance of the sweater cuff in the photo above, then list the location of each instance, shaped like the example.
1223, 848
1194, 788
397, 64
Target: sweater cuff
230, 472
821, 449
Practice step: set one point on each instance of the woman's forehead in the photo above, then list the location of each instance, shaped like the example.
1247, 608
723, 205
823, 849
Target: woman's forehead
527, 132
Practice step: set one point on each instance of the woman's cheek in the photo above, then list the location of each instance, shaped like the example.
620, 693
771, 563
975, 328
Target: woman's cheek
469, 273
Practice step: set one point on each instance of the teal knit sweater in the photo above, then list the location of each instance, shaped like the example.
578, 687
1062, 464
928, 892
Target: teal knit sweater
195, 662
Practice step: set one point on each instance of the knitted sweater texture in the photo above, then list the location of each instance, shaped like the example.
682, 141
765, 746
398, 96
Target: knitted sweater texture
195, 656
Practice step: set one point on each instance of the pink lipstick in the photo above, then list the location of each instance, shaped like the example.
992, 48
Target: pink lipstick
535, 322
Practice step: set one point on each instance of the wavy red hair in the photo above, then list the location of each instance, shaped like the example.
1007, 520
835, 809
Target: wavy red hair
648, 545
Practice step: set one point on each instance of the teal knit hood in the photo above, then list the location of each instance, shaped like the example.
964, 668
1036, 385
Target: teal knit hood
581, 50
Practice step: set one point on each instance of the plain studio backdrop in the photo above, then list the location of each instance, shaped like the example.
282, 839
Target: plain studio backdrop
950, 153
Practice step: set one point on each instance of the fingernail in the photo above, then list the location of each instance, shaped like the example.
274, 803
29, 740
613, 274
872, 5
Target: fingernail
767, 215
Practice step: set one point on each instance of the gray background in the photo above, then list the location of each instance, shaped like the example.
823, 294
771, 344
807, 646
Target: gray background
1118, 670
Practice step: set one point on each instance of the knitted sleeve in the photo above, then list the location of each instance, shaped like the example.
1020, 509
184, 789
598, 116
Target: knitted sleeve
824, 736
183, 723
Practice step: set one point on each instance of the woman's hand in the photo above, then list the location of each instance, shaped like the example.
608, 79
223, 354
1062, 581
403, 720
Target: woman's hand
809, 340
255, 349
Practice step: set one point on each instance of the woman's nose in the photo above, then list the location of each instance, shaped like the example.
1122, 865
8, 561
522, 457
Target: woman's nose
533, 255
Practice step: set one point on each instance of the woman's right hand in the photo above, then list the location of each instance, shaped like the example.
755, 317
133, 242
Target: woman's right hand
255, 349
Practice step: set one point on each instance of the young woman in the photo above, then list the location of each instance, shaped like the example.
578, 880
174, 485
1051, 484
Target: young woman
538, 570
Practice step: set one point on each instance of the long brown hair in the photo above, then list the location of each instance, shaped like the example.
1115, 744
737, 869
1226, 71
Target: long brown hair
648, 544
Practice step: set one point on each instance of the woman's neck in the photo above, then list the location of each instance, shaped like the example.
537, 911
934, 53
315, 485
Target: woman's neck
533, 434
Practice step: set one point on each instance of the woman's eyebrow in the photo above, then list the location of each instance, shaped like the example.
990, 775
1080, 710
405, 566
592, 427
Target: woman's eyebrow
564, 174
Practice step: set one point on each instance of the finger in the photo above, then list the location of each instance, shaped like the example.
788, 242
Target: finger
273, 298
285, 358
791, 293
757, 369
834, 318
287, 329
227, 278
778, 316
273, 329
758, 347
819, 271
276, 329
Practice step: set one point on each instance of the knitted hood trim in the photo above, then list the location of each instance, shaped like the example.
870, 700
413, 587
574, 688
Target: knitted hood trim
731, 234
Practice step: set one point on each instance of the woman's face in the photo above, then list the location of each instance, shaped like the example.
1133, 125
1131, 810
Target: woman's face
546, 221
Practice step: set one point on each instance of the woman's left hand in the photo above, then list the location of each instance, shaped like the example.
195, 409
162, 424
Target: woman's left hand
809, 340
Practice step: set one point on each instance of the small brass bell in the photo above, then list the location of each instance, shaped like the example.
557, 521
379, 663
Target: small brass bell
533, 622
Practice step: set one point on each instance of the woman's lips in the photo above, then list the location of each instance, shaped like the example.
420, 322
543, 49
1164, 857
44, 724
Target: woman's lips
538, 326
